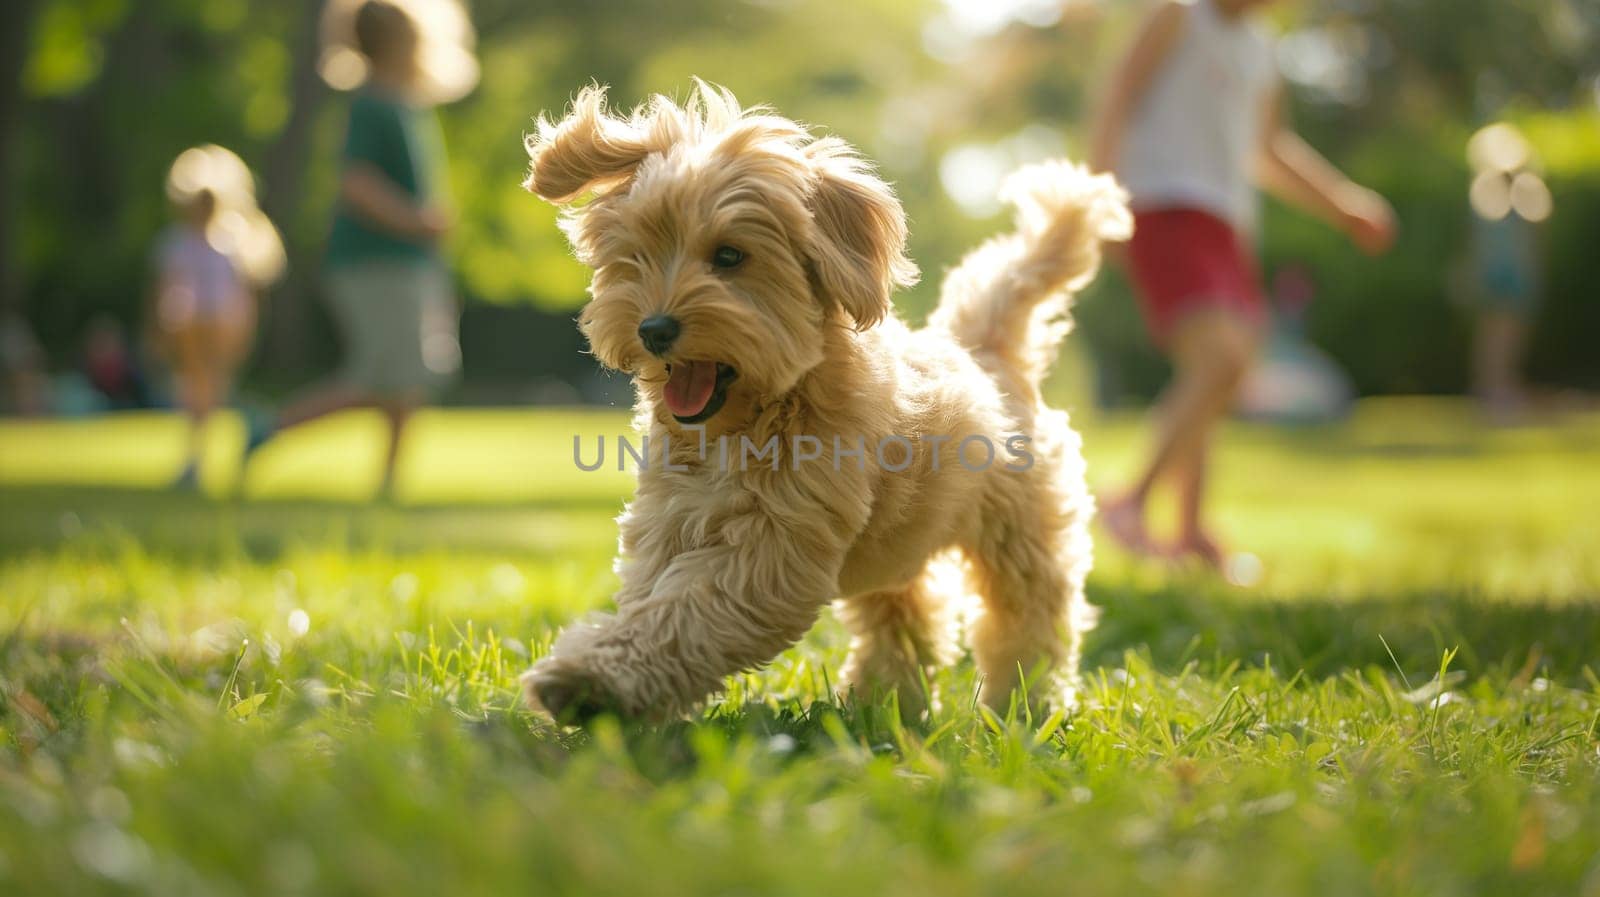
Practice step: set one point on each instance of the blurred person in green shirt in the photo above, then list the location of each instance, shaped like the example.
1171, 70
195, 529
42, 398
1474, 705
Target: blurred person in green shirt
385, 277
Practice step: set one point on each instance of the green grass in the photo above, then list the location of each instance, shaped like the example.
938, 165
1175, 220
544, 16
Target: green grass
301, 694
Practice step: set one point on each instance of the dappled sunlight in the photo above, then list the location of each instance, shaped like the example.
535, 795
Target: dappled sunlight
972, 173
1333, 60
446, 67
1507, 178
983, 17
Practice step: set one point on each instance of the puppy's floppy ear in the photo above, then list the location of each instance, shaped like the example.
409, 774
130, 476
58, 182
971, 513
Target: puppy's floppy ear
859, 254
589, 149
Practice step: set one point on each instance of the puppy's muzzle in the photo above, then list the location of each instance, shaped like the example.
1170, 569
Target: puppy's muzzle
658, 333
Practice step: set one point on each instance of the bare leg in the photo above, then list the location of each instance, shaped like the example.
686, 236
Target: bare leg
1194, 537
1497, 361
320, 402
199, 390
398, 412
1225, 357
194, 450
1212, 351
1123, 514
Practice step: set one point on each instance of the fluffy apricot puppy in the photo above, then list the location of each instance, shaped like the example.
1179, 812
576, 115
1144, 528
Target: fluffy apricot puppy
805, 445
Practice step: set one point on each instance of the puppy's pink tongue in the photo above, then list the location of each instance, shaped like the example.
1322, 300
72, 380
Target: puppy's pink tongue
690, 387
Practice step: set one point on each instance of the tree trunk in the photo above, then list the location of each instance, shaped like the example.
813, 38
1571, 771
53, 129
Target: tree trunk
284, 177
16, 19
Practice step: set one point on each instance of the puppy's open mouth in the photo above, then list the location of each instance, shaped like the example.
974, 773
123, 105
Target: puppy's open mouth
695, 390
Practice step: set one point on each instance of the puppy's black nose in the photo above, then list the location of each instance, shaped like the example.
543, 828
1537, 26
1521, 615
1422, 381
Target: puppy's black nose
658, 333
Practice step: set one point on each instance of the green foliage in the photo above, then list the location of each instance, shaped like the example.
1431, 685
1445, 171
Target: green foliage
1563, 347
1369, 313
67, 46
1373, 314
301, 695
115, 89
99, 135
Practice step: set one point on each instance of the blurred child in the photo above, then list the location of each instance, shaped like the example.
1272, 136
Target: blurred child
209, 266
24, 386
110, 366
1192, 124
1509, 201
386, 280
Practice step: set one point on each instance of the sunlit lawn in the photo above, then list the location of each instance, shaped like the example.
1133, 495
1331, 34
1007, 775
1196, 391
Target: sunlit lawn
294, 692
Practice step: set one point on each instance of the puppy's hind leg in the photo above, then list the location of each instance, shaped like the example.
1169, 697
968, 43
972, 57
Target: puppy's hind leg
1029, 562
901, 636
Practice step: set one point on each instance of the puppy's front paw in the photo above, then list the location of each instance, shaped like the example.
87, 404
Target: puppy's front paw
568, 696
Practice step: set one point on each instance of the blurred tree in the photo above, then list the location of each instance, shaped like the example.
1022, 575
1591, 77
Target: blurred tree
284, 174
16, 26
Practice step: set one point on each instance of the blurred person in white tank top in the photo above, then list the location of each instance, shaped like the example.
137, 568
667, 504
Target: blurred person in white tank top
1192, 125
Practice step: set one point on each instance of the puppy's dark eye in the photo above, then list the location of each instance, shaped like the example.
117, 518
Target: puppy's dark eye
726, 257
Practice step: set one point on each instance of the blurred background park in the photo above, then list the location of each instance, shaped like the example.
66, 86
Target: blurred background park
97, 97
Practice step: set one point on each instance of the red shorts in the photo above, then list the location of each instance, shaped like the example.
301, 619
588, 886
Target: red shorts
1186, 260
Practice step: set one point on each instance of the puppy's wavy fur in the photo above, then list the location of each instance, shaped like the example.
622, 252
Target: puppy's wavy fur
722, 568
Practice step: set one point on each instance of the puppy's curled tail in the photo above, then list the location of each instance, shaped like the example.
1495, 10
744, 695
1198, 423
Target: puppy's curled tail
1007, 301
